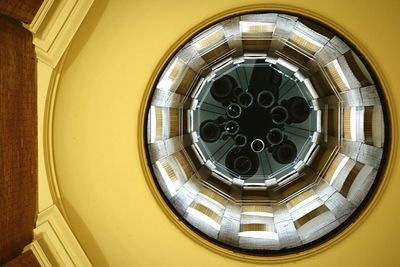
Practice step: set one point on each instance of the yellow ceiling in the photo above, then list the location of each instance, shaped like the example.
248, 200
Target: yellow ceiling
110, 207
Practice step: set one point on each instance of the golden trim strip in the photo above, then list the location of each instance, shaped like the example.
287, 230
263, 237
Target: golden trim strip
158, 112
173, 122
304, 44
258, 227
334, 74
253, 208
184, 163
368, 115
168, 169
214, 196
206, 211
347, 123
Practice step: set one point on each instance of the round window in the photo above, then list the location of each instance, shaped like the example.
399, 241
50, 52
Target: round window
266, 133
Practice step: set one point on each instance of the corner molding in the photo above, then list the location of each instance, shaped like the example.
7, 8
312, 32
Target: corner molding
55, 25
54, 243
46, 134
40, 255
53, 29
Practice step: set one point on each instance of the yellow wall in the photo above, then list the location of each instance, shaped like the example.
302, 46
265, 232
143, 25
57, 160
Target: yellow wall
109, 205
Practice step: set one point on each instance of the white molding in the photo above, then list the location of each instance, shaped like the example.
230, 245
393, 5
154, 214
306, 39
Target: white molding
53, 29
54, 243
48, 79
55, 25
39, 253
39, 17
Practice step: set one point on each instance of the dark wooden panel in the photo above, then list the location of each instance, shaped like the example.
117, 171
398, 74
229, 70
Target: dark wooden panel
22, 10
27, 259
18, 138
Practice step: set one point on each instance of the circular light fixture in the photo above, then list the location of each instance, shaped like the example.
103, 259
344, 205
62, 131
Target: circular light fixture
266, 133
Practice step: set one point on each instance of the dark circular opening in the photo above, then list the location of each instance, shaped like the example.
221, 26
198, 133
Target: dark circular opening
242, 165
279, 114
275, 136
282, 152
232, 127
299, 109
210, 131
285, 153
238, 159
234, 110
255, 122
222, 87
245, 99
257, 145
240, 140
265, 99
237, 91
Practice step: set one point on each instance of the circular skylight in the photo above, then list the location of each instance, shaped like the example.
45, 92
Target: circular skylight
266, 133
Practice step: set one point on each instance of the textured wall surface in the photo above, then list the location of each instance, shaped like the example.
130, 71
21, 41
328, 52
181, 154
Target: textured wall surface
18, 138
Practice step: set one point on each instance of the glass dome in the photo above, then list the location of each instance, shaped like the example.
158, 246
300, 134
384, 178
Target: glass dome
266, 133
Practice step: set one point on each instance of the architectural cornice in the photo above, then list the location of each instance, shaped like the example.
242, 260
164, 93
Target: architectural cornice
55, 25
54, 243
53, 29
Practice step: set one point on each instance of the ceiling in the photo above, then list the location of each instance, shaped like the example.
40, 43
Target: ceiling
109, 205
